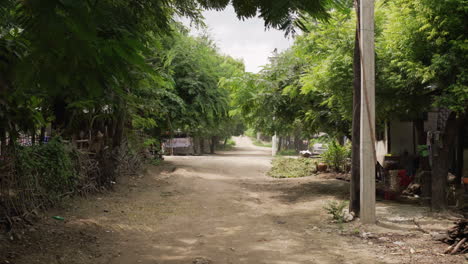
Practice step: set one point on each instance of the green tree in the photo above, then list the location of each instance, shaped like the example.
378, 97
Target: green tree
424, 50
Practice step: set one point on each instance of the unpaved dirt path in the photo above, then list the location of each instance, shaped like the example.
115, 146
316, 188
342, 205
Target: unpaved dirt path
208, 209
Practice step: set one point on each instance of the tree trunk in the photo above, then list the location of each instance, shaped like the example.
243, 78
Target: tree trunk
3, 141
460, 146
354, 204
42, 135
297, 144
33, 137
118, 129
214, 142
196, 145
202, 146
440, 164
225, 143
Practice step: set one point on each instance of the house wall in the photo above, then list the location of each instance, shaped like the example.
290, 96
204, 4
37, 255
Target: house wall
401, 137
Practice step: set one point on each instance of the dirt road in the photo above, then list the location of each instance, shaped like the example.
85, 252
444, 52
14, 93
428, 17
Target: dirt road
207, 209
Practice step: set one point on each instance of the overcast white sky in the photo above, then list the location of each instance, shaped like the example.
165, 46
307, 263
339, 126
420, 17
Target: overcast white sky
246, 40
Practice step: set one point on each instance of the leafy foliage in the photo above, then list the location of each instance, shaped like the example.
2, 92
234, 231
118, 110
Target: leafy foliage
424, 47
49, 169
337, 156
420, 64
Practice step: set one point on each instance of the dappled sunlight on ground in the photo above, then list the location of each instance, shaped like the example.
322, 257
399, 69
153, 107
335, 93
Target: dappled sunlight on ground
219, 208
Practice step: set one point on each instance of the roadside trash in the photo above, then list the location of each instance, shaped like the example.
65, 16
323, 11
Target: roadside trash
399, 243
367, 235
305, 153
347, 216
58, 218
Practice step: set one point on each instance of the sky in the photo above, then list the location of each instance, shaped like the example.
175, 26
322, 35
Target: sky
246, 40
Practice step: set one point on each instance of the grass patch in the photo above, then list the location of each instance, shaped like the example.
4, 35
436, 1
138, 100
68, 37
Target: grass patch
292, 168
259, 143
287, 152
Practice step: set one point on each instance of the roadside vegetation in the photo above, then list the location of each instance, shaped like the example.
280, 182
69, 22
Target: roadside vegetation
90, 89
337, 157
260, 143
125, 77
287, 152
292, 167
308, 89
228, 144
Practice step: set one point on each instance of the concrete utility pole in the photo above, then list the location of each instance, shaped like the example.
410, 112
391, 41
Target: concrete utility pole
367, 150
274, 145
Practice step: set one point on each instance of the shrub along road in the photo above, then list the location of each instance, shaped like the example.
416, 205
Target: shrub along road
207, 209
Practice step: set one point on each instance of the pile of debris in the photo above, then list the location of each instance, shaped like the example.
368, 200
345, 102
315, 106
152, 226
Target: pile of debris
457, 238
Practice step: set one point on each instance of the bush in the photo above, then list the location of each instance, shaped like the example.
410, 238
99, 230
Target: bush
40, 176
337, 156
336, 210
291, 168
48, 170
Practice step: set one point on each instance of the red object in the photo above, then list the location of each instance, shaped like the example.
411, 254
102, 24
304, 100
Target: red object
389, 195
405, 180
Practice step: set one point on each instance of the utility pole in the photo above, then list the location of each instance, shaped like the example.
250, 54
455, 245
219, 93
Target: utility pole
274, 139
274, 145
367, 149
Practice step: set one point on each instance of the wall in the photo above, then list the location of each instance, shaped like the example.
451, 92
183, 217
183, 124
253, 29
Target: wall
401, 137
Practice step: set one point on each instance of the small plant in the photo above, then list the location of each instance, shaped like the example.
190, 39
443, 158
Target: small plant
423, 150
336, 210
336, 156
356, 231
